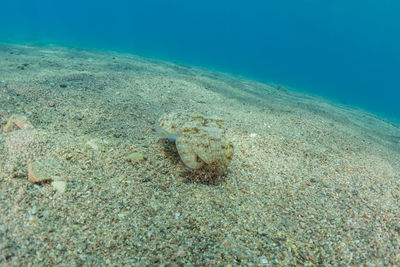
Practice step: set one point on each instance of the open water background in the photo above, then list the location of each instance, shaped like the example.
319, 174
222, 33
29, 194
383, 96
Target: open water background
346, 51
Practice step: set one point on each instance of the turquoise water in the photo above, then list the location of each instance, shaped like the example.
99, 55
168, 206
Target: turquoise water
348, 51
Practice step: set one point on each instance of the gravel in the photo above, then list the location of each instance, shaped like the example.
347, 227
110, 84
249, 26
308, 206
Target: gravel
311, 182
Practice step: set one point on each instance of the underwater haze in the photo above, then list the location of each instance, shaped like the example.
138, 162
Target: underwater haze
199, 133
347, 51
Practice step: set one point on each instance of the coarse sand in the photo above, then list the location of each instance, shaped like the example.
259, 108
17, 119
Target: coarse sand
311, 182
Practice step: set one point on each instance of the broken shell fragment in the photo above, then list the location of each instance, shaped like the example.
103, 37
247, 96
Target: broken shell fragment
16, 122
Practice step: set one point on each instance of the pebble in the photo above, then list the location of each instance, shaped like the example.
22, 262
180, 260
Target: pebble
37, 172
135, 157
264, 260
16, 122
44, 169
60, 186
95, 144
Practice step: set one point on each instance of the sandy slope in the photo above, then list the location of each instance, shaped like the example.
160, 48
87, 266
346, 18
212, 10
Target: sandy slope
310, 183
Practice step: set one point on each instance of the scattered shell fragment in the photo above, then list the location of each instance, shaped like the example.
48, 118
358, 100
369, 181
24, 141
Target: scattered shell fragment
37, 172
24, 146
199, 140
44, 170
135, 157
59, 186
95, 144
16, 122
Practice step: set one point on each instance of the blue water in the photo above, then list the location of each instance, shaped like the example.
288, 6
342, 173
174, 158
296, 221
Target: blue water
348, 51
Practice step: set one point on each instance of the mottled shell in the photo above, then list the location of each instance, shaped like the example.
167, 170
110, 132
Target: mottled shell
199, 140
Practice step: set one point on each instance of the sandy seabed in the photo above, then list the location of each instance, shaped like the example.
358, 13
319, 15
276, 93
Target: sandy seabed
311, 182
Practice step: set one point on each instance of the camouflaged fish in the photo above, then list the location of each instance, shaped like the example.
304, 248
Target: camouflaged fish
199, 140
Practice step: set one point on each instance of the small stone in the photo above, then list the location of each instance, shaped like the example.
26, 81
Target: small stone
135, 157
95, 144
45, 169
264, 260
181, 253
16, 122
37, 172
59, 186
